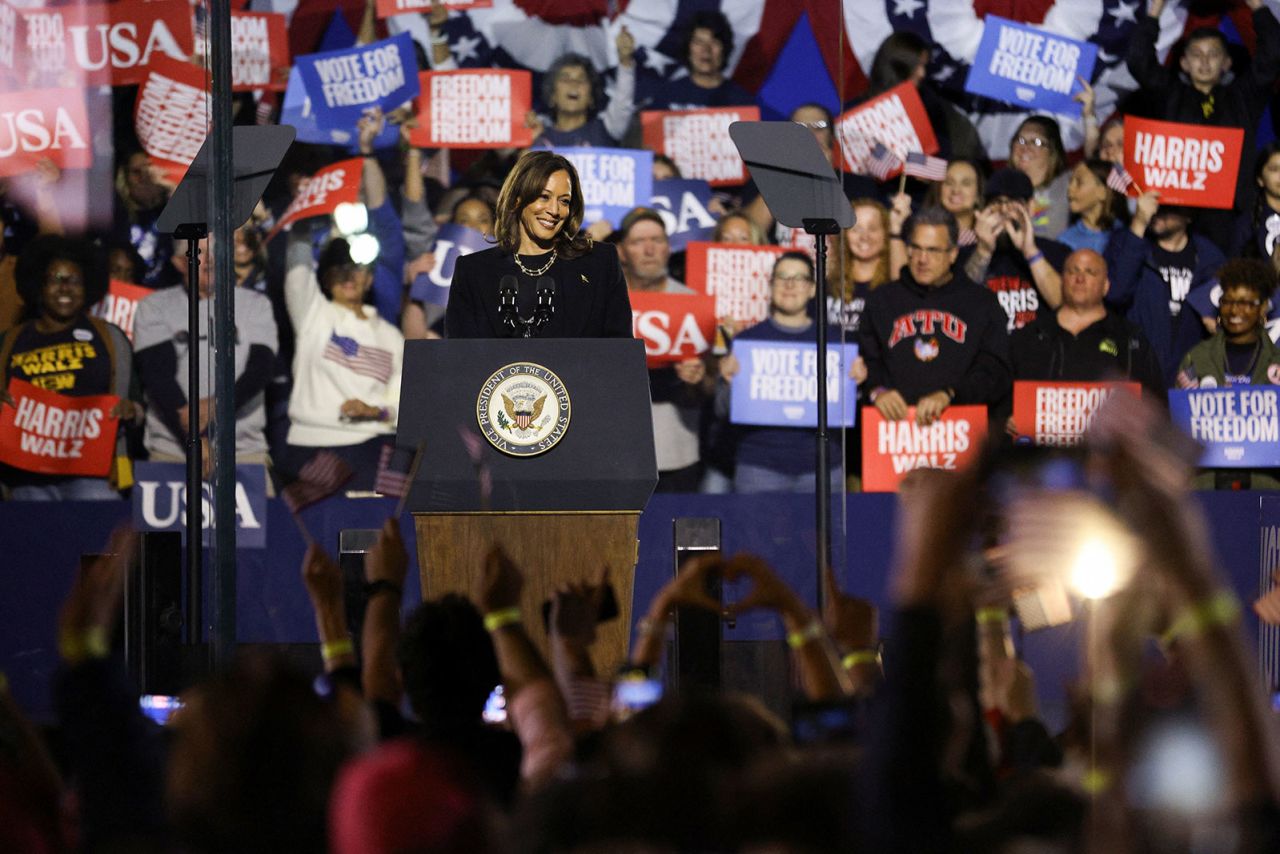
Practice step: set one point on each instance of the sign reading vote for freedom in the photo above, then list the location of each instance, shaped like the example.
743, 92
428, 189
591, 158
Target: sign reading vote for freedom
896, 119
342, 84
737, 276
1192, 165
890, 449
1238, 426
614, 180
324, 191
48, 123
698, 141
1059, 413
777, 384
685, 207
1029, 67
674, 327
387, 8
474, 108
452, 242
160, 502
120, 305
51, 433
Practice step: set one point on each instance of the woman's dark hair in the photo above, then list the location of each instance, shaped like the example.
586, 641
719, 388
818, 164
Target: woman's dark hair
934, 194
1252, 273
473, 196
130, 252
570, 60
335, 264
667, 161
1260, 207
448, 663
523, 186
34, 262
1115, 208
803, 257
718, 24
1052, 133
896, 60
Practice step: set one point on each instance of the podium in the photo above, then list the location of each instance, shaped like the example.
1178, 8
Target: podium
544, 446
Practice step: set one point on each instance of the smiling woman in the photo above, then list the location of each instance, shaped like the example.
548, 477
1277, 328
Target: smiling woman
543, 278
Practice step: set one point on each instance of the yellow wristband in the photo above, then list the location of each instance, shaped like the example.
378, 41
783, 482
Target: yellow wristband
811, 632
1095, 781
91, 643
985, 616
495, 620
329, 650
1220, 609
860, 656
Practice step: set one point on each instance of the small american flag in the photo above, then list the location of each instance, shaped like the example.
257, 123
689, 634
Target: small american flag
883, 162
322, 476
394, 466
373, 362
1120, 180
968, 237
925, 167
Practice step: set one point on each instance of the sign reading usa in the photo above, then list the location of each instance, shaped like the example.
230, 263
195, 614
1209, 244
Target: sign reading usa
1192, 165
674, 327
685, 207
48, 123
613, 180
698, 141
737, 276
1059, 413
777, 384
896, 119
1029, 67
473, 108
890, 449
452, 242
1239, 426
51, 433
160, 502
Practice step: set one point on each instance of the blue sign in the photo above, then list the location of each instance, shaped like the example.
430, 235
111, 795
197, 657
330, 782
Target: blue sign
614, 180
777, 384
685, 206
342, 84
1030, 67
160, 502
1238, 426
452, 242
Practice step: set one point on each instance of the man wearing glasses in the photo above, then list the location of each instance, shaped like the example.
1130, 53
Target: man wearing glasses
933, 338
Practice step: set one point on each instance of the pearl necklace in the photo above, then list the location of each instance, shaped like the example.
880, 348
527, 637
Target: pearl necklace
533, 274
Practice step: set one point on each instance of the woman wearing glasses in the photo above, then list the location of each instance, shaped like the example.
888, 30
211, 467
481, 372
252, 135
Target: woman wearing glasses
1036, 150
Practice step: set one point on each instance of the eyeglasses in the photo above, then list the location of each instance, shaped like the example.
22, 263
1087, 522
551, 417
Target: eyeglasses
1033, 141
929, 251
793, 280
818, 125
63, 279
1239, 303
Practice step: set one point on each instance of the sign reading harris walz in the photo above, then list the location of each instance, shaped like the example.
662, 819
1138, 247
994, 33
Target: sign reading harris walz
1030, 67
160, 502
1239, 427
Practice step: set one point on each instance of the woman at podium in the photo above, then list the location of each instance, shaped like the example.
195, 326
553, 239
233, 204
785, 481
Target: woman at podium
543, 279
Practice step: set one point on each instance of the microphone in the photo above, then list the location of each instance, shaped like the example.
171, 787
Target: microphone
545, 308
507, 289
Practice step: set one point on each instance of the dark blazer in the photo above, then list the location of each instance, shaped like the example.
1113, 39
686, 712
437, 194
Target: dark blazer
590, 296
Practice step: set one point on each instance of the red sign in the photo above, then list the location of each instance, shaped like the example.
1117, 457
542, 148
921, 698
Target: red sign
674, 327
475, 108
737, 276
387, 8
120, 304
1193, 165
1059, 413
50, 433
10, 33
49, 123
896, 119
112, 44
698, 141
890, 449
259, 52
171, 110
323, 192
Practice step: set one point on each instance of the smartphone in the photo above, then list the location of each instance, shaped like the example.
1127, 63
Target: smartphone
632, 694
608, 609
159, 707
495, 708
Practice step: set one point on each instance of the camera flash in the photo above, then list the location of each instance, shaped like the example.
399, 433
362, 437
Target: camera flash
1095, 573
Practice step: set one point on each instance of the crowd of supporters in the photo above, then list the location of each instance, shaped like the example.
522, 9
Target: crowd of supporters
320, 328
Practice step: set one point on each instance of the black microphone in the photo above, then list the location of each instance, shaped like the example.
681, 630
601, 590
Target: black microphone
545, 308
507, 289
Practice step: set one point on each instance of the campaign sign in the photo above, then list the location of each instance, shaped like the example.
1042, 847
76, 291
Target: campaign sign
674, 327
896, 119
1059, 413
1238, 426
9, 35
160, 502
387, 8
323, 192
259, 52
1030, 67
614, 180
1193, 165
452, 242
777, 384
52, 433
49, 123
685, 207
107, 44
171, 110
890, 449
120, 304
737, 276
474, 108
698, 141
342, 84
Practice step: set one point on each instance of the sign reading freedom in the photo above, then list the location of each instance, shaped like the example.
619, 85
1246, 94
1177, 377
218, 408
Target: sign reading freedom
737, 276
1239, 426
890, 449
1030, 67
1059, 413
698, 141
473, 108
777, 385
895, 119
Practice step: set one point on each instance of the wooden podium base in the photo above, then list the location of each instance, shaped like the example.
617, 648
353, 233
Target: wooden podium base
550, 548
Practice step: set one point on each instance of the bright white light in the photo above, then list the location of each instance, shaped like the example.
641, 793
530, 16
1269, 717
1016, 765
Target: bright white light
364, 248
1096, 572
1179, 769
350, 218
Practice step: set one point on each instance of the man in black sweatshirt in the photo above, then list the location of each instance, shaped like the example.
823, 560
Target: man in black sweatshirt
933, 337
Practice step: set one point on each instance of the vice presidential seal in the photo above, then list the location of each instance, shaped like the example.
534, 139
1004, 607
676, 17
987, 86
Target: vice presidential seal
523, 409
